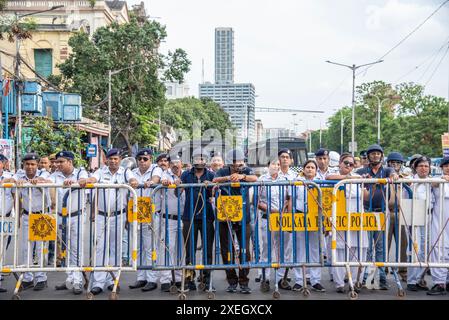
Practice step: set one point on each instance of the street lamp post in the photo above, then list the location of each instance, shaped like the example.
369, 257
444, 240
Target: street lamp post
353, 68
341, 131
19, 88
379, 108
110, 74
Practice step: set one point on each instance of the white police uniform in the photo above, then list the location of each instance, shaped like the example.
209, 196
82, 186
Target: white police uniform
145, 237
275, 206
32, 204
6, 210
74, 201
439, 237
171, 234
351, 244
312, 246
112, 204
290, 175
420, 192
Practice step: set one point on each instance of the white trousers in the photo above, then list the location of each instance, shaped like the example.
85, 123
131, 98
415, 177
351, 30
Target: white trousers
340, 272
104, 257
414, 273
169, 250
26, 253
145, 245
73, 247
314, 256
276, 237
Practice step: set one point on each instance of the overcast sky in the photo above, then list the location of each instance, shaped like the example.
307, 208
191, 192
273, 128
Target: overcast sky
281, 47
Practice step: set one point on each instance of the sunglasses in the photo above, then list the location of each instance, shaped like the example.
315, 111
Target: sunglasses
348, 163
143, 159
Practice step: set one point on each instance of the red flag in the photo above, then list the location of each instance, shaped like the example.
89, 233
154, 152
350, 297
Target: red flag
6, 87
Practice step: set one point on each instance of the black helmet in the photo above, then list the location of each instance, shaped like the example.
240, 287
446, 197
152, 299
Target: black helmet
395, 156
374, 147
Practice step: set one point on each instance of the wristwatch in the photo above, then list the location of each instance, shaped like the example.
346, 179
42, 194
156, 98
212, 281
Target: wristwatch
244, 177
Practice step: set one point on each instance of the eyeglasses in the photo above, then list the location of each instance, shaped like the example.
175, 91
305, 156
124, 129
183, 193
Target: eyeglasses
143, 159
348, 163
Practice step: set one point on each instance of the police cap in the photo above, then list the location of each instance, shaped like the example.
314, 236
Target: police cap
321, 152
444, 161
144, 152
162, 156
285, 150
65, 154
31, 156
113, 152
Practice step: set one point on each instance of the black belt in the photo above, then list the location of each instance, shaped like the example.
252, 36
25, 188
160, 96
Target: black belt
170, 216
114, 213
27, 213
73, 214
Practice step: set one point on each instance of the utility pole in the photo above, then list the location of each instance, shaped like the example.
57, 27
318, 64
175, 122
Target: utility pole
109, 107
341, 131
353, 68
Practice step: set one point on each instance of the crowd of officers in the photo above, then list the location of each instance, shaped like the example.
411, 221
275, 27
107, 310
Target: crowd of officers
168, 170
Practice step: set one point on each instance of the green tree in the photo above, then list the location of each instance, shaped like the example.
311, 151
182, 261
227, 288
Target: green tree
138, 93
46, 138
181, 114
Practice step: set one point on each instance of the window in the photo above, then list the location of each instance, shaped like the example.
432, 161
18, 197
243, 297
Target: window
43, 62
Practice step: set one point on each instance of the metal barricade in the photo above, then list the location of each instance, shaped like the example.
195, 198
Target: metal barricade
368, 213
84, 226
231, 227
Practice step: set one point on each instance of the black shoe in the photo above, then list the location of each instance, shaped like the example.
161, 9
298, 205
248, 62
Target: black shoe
318, 288
61, 286
96, 290
422, 287
26, 285
437, 290
41, 285
232, 288
383, 286
258, 278
245, 289
150, 286
77, 289
191, 285
178, 284
341, 290
297, 287
138, 284
2, 290
165, 287
288, 287
447, 287
110, 287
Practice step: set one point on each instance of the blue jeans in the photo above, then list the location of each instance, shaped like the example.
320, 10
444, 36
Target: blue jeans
376, 237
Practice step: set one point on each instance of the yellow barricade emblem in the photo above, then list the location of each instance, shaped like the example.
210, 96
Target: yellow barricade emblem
326, 200
230, 208
41, 227
145, 210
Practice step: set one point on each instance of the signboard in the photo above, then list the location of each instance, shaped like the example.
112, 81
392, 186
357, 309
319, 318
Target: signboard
91, 150
42, 227
445, 144
355, 146
7, 226
7, 148
144, 210
372, 221
229, 208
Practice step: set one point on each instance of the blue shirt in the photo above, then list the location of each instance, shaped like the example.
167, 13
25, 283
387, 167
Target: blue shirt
377, 194
194, 202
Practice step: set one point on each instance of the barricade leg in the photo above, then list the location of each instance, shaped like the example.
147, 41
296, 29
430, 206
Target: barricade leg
16, 295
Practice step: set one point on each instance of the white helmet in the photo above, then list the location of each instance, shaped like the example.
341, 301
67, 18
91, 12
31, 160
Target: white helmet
334, 159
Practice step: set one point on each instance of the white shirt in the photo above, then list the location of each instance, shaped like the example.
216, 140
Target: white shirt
170, 195
33, 204
323, 175
275, 191
153, 171
73, 200
290, 175
113, 199
6, 198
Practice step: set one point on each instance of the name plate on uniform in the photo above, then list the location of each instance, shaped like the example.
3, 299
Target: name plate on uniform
372, 221
145, 210
41, 227
229, 208
326, 200
7, 226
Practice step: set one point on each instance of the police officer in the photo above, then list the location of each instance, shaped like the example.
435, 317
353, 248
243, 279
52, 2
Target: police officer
286, 173
6, 209
147, 174
216, 163
322, 159
236, 172
111, 216
364, 158
376, 203
74, 202
172, 202
31, 174
196, 206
